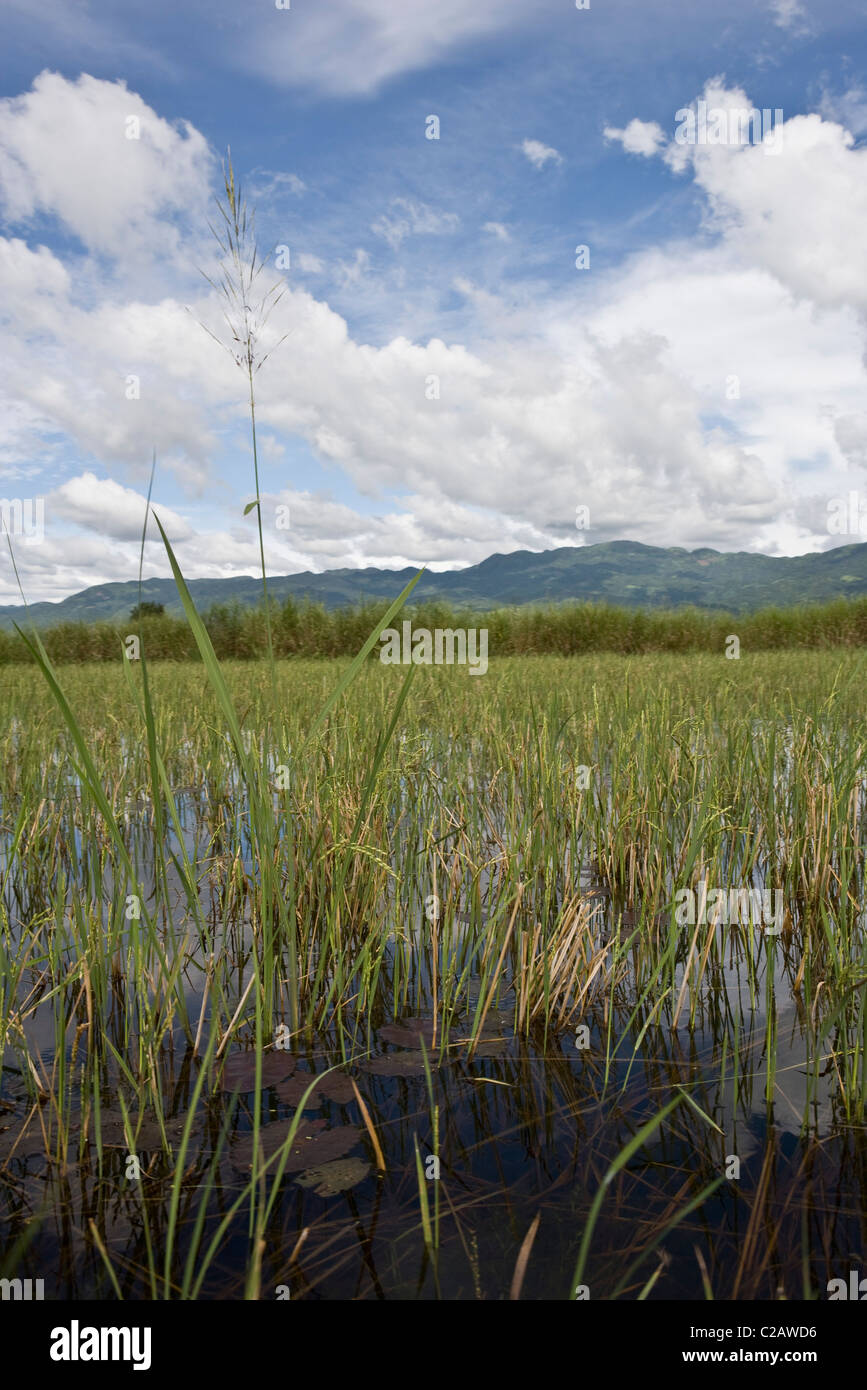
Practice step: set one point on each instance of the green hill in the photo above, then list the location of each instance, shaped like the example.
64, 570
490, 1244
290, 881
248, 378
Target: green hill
626, 573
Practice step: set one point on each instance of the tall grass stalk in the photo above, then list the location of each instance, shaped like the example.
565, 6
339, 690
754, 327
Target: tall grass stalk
247, 310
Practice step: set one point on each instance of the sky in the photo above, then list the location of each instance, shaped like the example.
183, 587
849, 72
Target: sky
534, 282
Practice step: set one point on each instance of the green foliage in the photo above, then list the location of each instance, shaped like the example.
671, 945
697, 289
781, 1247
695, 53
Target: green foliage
304, 629
555, 898
620, 573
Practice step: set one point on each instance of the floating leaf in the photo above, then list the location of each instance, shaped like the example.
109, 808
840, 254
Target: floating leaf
271, 1137
312, 1144
292, 1090
409, 1033
327, 1179
239, 1071
335, 1085
398, 1064
322, 1148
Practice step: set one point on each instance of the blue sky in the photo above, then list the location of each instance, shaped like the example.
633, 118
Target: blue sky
452, 384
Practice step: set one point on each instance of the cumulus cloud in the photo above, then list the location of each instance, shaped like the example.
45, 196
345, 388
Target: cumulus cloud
793, 200
96, 157
850, 433
27, 277
699, 394
119, 378
638, 137
849, 108
796, 202
116, 512
326, 534
539, 154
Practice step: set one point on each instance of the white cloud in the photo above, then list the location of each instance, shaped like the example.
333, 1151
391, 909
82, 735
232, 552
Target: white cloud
76, 31
539, 154
268, 183
271, 448
120, 379
611, 394
351, 272
498, 230
326, 534
311, 265
115, 512
64, 153
351, 47
789, 14
35, 278
850, 433
638, 137
797, 204
409, 217
849, 108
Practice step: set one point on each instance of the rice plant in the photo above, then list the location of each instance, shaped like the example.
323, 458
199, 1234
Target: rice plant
460, 899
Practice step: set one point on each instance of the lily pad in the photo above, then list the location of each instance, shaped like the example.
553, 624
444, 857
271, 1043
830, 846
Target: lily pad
292, 1090
397, 1064
408, 1033
337, 1086
322, 1148
270, 1139
239, 1070
312, 1145
327, 1179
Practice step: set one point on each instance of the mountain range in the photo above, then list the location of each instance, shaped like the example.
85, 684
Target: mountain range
626, 573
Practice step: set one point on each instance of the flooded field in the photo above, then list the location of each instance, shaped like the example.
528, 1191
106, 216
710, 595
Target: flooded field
546, 985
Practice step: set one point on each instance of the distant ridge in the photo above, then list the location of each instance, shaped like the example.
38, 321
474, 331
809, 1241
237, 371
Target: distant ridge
626, 573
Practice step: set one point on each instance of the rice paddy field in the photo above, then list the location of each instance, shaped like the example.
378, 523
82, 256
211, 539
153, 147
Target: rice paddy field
379, 988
